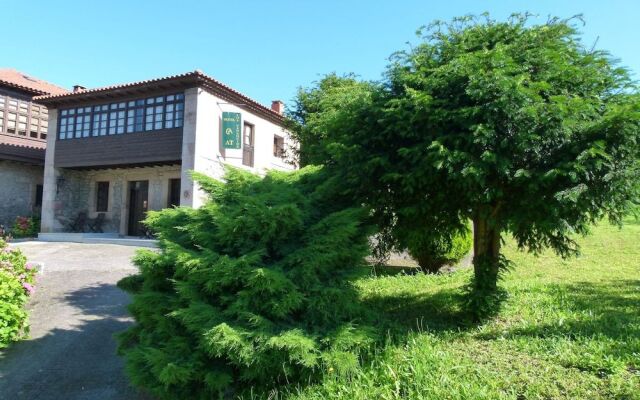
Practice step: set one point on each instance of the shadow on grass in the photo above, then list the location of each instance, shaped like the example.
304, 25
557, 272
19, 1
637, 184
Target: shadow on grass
406, 313
76, 362
393, 270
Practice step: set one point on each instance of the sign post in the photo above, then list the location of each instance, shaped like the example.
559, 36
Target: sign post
231, 130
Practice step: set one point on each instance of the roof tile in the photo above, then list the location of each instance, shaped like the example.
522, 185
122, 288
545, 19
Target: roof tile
28, 83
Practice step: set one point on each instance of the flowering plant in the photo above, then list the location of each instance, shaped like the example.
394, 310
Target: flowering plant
17, 283
25, 227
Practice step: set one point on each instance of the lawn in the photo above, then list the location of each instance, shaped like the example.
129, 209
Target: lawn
569, 330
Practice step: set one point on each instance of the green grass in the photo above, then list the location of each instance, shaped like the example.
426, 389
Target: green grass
570, 329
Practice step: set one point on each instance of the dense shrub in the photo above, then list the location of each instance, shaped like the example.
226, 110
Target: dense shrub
251, 289
17, 278
25, 227
432, 252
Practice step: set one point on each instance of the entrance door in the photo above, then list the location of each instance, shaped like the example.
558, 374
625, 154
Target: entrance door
138, 203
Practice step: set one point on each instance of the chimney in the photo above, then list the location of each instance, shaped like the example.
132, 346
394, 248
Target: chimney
78, 88
277, 106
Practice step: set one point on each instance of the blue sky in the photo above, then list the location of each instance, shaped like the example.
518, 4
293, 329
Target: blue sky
265, 49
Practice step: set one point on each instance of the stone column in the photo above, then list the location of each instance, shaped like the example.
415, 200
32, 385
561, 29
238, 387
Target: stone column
49, 187
188, 146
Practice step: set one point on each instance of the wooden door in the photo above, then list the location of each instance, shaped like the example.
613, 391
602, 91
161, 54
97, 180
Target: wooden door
138, 205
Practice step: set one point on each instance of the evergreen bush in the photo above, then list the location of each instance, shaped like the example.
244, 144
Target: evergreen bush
251, 289
17, 278
433, 251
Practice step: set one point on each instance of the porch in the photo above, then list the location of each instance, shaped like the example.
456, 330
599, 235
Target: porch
98, 205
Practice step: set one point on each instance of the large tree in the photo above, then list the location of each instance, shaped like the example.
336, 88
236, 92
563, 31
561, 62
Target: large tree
519, 127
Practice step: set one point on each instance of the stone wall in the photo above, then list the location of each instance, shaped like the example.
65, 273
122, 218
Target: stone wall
18, 190
71, 197
76, 193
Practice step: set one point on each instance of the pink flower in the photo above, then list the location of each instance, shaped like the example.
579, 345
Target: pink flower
29, 266
29, 288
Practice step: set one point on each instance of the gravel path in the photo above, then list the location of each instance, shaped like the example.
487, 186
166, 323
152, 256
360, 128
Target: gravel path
74, 313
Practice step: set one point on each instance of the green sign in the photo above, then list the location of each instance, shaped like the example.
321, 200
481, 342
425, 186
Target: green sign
231, 130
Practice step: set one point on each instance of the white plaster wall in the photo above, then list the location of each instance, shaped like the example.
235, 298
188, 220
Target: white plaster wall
201, 150
264, 132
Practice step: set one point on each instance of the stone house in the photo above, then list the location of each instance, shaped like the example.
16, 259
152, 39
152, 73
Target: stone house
120, 151
23, 135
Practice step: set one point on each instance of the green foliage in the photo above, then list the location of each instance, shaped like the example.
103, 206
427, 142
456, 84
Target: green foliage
17, 278
251, 289
315, 109
517, 126
25, 227
433, 252
570, 329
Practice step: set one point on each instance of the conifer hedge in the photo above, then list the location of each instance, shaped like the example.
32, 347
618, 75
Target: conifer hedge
250, 290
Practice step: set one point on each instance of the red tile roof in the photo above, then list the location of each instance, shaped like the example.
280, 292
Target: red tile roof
18, 80
190, 79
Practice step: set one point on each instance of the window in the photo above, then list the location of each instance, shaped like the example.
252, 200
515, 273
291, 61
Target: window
153, 113
174, 193
154, 117
247, 145
33, 127
11, 122
99, 124
22, 125
38, 202
21, 117
135, 116
102, 196
43, 129
278, 146
66, 127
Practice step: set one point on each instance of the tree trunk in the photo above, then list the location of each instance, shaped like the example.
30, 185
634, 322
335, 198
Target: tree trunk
486, 252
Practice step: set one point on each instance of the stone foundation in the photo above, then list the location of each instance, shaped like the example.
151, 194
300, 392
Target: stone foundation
18, 183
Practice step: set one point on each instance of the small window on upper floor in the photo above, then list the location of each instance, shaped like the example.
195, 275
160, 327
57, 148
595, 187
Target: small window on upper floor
278, 146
